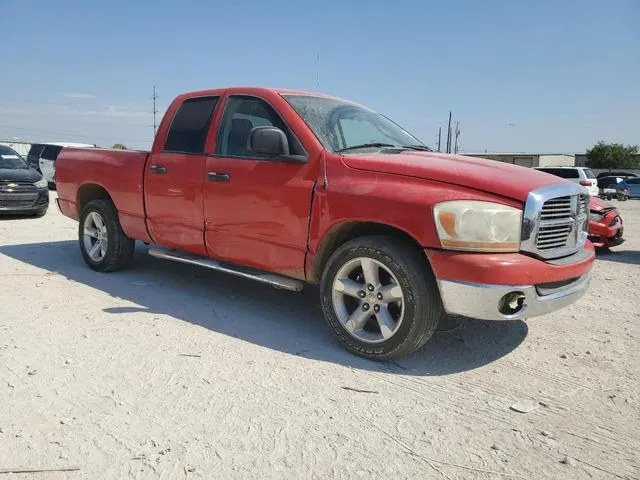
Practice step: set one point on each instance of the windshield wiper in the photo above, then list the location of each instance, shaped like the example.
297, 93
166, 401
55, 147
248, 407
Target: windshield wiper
422, 148
365, 145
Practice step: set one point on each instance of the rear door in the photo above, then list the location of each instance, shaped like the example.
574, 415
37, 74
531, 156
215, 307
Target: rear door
47, 160
174, 179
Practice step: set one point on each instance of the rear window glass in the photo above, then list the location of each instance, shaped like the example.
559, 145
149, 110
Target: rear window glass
633, 181
589, 173
607, 181
35, 150
562, 172
50, 152
188, 131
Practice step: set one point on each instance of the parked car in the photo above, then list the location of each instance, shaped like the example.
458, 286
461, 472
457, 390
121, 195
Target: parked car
42, 157
617, 174
22, 189
633, 185
580, 175
613, 187
605, 224
289, 188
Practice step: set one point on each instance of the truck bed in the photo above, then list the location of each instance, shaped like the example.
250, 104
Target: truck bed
119, 172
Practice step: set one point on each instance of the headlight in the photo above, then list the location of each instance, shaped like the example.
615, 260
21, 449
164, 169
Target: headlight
478, 226
595, 217
42, 183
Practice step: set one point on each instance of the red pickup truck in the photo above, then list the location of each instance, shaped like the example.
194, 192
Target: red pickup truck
287, 188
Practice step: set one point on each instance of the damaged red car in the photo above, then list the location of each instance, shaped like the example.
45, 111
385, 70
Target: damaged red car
605, 224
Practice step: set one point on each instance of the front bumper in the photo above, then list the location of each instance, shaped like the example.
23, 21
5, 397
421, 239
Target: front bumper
482, 285
484, 301
19, 202
608, 232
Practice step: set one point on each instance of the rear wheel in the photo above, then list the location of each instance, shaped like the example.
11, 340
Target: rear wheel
103, 244
380, 298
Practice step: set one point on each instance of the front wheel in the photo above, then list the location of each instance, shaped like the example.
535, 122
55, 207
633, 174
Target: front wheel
380, 297
103, 244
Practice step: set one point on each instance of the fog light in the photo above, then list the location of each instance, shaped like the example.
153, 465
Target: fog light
512, 303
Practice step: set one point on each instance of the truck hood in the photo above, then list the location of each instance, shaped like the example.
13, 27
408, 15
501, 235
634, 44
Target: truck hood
504, 179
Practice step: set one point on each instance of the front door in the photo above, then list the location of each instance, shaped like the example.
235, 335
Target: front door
175, 177
256, 209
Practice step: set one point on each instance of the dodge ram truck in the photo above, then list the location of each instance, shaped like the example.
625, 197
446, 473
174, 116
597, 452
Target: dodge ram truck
292, 188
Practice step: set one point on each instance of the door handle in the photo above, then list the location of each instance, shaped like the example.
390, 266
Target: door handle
158, 169
218, 177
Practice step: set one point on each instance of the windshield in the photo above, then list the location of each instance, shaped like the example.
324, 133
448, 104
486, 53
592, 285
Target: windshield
10, 159
341, 125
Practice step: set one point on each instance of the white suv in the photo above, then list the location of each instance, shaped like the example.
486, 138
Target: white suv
581, 175
42, 157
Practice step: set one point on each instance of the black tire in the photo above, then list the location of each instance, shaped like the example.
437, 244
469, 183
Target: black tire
120, 248
423, 306
41, 213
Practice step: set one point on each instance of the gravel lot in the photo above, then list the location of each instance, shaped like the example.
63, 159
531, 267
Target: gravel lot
171, 371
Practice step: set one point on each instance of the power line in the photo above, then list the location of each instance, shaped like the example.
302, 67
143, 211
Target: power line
66, 134
449, 134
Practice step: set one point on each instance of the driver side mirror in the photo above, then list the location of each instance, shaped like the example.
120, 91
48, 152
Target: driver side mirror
270, 141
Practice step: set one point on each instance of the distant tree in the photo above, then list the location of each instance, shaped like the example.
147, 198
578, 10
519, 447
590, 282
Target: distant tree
613, 155
120, 146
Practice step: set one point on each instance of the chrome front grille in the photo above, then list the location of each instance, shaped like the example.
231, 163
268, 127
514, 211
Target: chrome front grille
555, 221
553, 236
556, 208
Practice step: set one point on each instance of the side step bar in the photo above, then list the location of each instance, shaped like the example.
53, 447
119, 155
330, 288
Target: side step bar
272, 279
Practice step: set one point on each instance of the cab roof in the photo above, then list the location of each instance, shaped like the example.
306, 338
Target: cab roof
255, 91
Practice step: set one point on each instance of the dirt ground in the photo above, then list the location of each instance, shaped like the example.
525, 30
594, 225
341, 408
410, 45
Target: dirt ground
170, 371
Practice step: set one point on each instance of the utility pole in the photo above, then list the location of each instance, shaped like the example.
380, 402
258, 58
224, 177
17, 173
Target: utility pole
155, 111
457, 133
449, 134
317, 79
439, 137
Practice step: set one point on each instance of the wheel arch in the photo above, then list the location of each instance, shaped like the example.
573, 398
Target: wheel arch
89, 192
347, 231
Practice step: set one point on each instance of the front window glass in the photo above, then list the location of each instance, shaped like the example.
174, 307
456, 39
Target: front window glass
241, 115
340, 125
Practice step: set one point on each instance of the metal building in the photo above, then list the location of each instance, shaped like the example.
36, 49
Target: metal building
529, 159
